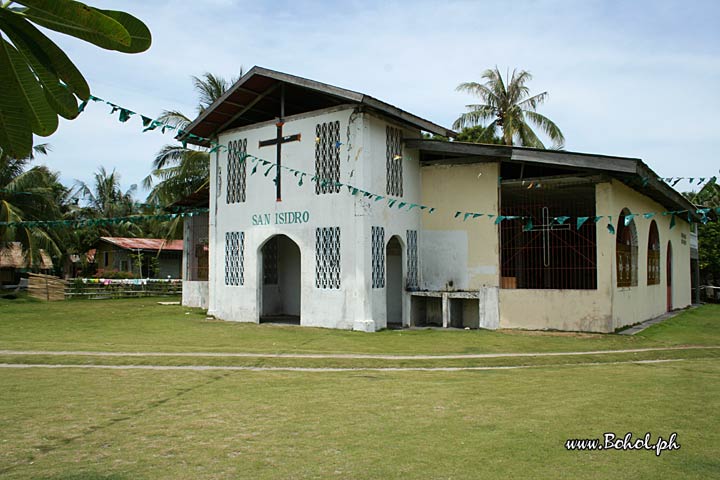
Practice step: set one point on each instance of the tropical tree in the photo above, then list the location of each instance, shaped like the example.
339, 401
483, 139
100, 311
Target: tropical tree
708, 233
39, 81
105, 199
29, 195
509, 107
476, 134
180, 170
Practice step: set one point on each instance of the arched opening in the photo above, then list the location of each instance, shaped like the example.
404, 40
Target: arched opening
653, 255
626, 250
669, 273
280, 281
394, 285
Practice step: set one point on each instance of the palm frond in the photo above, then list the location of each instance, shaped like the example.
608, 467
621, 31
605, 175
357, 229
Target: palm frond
548, 127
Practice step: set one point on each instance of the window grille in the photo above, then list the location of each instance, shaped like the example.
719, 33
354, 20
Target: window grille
378, 257
327, 157
393, 161
412, 260
270, 261
653, 255
327, 257
234, 258
626, 251
236, 171
546, 253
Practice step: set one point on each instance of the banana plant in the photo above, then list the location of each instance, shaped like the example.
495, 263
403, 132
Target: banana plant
38, 81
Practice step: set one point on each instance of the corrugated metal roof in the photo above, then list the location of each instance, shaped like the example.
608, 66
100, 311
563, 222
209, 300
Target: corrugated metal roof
145, 243
256, 98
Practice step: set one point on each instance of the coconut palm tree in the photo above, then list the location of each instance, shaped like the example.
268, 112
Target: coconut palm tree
27, 195
105, 199
181, 170
508, 106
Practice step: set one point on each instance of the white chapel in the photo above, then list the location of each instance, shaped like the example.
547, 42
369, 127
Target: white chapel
329, 208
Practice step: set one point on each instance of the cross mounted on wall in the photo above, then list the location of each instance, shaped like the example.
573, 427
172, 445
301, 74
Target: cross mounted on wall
278, 142
548, 225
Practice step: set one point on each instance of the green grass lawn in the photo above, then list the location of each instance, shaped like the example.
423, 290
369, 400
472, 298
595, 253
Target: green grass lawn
137, 325
73, 424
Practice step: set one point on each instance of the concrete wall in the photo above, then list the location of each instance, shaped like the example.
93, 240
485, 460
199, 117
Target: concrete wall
608, 307
195, 294
638, 303
457, 254
362, 163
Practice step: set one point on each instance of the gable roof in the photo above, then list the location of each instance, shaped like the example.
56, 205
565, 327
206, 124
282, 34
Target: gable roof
255, 98
145, 243
631, 171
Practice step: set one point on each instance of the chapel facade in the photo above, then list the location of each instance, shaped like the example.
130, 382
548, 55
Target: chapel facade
329, 208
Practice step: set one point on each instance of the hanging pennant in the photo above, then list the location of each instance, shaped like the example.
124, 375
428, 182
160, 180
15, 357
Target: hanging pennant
580, 221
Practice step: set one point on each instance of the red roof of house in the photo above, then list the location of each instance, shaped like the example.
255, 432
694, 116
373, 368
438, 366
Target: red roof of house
145, 243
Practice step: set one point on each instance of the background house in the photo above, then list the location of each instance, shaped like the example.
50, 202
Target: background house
142, 257
14, 262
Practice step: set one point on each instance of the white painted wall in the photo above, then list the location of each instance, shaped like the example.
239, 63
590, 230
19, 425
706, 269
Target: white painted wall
195, 294
362, 157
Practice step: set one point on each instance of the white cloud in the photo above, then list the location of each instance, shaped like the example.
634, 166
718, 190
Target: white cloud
625, 78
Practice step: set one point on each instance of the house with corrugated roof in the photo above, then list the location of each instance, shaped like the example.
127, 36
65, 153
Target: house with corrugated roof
140, 257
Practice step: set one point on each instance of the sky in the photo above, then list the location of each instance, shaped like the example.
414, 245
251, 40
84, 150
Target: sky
628, 78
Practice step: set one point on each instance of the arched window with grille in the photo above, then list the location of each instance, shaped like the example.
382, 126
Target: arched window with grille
653, 255
626, 250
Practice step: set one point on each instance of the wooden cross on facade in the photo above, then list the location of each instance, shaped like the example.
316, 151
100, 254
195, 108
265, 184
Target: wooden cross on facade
278, 141
548, 225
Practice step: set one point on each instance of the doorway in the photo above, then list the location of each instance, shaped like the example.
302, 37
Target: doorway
394, 286
280, 281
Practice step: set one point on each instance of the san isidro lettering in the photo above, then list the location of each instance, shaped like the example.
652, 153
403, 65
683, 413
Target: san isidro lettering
280, 218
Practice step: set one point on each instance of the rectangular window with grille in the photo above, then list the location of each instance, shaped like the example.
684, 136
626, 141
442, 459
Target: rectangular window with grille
327, 157
539, 251
412, 282
393, 161
234, 258
378, 257
236, 171
327, 257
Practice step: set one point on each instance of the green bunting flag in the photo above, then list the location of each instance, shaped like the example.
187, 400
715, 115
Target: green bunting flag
149, 123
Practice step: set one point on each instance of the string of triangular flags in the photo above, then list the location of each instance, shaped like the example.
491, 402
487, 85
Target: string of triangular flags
153, 124
76, 223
